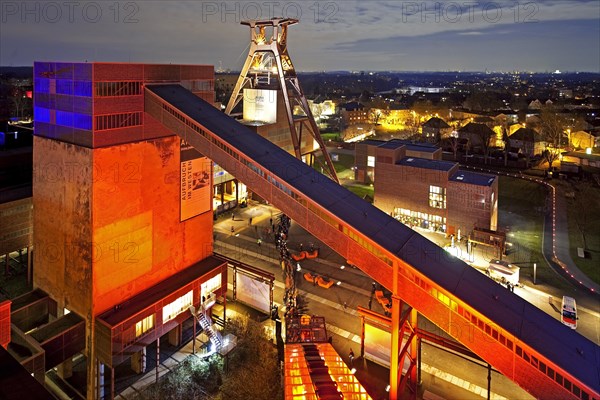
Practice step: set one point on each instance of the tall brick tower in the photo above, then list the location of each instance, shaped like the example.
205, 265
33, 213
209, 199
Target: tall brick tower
122, 210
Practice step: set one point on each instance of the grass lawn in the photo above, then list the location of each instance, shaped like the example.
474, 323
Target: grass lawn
330, 136
343, 168
343, 165
583, 211
521, 211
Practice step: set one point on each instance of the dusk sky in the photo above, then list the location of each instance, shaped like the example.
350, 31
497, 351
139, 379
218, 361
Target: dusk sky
332, 35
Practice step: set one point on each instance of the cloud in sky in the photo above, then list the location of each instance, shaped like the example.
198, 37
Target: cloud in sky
331, 34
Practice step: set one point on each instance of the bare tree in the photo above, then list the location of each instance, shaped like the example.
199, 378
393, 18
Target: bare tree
581, 201
552, 130
484, 134
506, 141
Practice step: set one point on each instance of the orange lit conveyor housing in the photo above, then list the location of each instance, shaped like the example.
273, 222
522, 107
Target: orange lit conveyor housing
525, 344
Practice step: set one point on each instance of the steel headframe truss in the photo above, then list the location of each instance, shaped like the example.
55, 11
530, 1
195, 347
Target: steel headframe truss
257, 73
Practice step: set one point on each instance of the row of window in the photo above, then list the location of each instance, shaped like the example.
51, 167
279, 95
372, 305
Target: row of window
178, 306
16, 210
497, 335
63, 118
134, 332
279, 185
552, 374
106, 89
63, 86
199, 130
323, 215
170, 311
143, 326
211, 285
115, 121
367, 245
16, 234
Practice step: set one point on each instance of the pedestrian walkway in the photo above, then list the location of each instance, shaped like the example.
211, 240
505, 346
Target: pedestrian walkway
561, 246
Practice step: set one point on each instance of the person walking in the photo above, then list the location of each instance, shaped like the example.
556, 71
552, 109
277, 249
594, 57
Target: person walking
351, 355
232, 229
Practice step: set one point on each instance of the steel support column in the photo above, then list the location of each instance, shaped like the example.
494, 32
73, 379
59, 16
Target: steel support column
157, 356
362, 337
395, 367
194, 336
112, 383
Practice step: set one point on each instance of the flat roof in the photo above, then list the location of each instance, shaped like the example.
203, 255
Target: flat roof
397, 143
426, 163
473, 178
56, 327
152, 295
371, 142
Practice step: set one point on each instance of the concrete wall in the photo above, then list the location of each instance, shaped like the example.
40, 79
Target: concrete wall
62, 212
471, 205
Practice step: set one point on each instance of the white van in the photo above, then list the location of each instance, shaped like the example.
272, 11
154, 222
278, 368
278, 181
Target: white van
568, 312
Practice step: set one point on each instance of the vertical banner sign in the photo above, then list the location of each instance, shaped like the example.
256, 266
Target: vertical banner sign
196, 188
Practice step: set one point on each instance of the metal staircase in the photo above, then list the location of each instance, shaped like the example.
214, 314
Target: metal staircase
205, 324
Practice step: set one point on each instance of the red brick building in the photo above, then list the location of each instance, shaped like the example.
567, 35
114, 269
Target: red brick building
414, 185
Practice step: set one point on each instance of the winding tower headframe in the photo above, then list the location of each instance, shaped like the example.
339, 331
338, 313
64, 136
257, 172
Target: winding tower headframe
269, 66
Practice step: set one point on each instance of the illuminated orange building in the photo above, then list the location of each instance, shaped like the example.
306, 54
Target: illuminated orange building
122, 212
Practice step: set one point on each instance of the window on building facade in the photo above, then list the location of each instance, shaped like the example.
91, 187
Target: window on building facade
105, 89
437, 197
175, 308
371, 161
144, 325
211, 285
114, 121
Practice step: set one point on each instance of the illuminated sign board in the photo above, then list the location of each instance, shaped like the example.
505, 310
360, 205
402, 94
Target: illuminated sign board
260, 105
196, 188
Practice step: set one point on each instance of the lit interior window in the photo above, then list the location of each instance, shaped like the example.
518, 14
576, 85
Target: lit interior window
370, 161
175, 308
